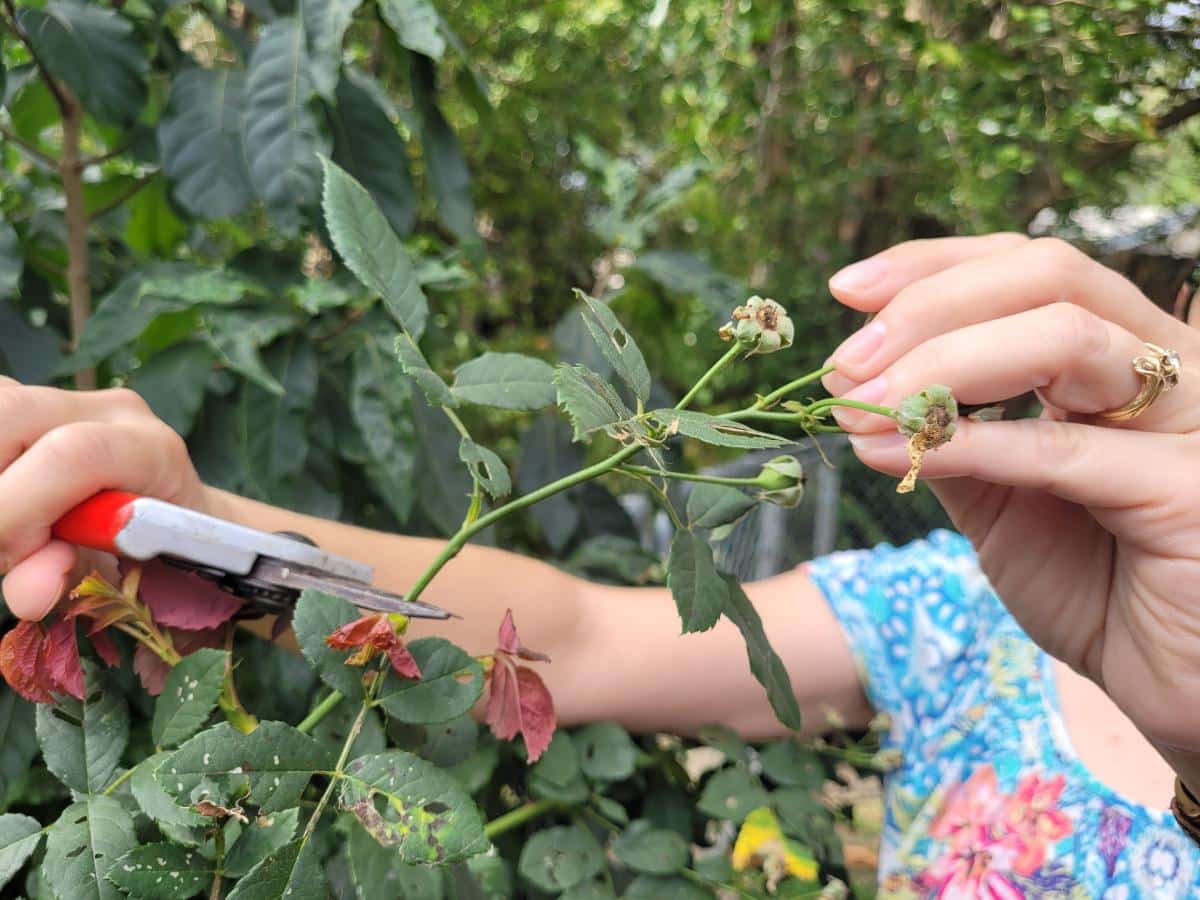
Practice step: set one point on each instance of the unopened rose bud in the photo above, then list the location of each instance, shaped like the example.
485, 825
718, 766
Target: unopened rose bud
761, 325
888, 759
782, 481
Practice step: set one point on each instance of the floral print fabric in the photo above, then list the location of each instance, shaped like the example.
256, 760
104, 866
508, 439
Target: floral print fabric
990, 800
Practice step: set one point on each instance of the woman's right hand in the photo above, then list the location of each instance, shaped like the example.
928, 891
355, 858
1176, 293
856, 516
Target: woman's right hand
57, 449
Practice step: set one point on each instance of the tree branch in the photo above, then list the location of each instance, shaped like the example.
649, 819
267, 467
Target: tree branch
78, 287
125, 195
29, 147
60, 94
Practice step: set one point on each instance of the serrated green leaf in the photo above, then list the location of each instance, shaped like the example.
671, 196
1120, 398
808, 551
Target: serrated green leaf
447, 744
589, 890
486, 468
447, 167
558, 775
606, 752
188, 697
178, 823
427, 816
699, 590
317, 616
786, 762
444, 490
371, 249
655, 851
616, 344
325, 24
589, 401
291, 873
18, 742
415, 23
161, 872
717, 431
368, 145
12, 261
83, 844
484, 877
665, 887
282, 135
19, 837
732, 793
259, 840
765, 663
200, 142
95, 51
238, 334
378, 875
559, 858
82, 740
173, 381
335, 727
274, 763
505, 380
415, 366
713, 505
451, 681
610, 809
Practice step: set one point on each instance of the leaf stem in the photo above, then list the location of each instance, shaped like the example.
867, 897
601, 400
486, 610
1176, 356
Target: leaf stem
30, 148
320, 711
518, 817
214, 892
125, 776
456, 543
336, 775
648, 480
828, 402
730, 355
779, 393
689, 476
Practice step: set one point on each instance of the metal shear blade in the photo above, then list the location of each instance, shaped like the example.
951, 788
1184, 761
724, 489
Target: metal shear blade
296, 577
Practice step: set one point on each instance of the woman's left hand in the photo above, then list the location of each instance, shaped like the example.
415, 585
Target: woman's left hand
1088, 530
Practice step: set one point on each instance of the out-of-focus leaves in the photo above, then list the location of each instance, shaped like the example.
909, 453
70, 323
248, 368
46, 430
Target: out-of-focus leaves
172, 382
448, 172
27, 353
11, 261
153, 229
415, 23
325, 24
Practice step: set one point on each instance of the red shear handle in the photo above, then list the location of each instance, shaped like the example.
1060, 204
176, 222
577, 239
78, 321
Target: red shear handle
96, 522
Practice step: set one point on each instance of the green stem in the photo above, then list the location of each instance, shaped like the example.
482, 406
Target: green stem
518, 817
229, 702
336, 775
456, 543
214, 892
125, 776
779, 393
828, 402
320, 711
689, 476
730, 355
457, 422
663, 499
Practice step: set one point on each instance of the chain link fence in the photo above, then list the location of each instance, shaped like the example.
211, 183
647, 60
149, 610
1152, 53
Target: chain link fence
845, 506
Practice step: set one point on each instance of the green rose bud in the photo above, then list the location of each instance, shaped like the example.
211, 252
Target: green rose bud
782, 481
762, 326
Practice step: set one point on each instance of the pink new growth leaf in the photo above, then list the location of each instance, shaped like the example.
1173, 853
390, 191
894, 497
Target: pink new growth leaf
184, 600
519, 701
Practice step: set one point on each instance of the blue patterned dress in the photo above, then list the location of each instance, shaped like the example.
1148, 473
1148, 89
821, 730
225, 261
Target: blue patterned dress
991, 800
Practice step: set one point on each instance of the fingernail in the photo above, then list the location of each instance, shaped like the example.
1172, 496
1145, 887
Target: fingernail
861, 345
869, 392
838, 384
860, 276
878, 441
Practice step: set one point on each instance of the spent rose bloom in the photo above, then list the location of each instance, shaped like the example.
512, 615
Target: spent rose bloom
373, 634
761, 325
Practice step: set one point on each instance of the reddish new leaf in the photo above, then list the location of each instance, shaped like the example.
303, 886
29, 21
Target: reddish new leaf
61, 669
374, 633
184, 600
509, 642
20, 651
520, 702
105, 648
153, 671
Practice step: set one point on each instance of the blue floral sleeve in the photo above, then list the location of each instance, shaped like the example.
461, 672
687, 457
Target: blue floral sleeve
917, 618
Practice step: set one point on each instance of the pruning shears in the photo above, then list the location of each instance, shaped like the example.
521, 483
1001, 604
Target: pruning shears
269, 570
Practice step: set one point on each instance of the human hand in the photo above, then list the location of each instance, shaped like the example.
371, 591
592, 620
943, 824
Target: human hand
57, 449
1089, 531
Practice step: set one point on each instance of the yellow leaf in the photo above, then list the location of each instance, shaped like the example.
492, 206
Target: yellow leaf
761, 843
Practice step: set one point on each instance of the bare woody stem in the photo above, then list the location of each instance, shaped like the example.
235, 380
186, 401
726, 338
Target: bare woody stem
69, 170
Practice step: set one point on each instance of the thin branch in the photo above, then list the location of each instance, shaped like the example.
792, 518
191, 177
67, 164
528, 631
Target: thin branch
60, 95
103, 157
125, 195
29, 147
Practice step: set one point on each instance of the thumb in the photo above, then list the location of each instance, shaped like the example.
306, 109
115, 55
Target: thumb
35, 584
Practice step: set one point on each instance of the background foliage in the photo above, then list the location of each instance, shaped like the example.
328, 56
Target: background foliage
162, 186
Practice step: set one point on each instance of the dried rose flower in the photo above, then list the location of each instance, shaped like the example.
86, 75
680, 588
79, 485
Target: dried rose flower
761, 325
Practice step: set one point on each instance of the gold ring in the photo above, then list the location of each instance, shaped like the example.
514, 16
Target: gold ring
1160, 372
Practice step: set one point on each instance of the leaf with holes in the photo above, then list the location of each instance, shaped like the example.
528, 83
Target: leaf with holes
273, 764
732, 794
655, 851
180, 824
560, 858
378, 875
765, 663
258, 840
717, 431
83, 844
162, 872
19, 837
606, 752
282, 134
200, 141
588, 400
409, 804
699, 590
82, 740
415, 366
714, 505
617, 345
188, 697
371, 249
506, 381
451, 682
486, 468
293, 872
